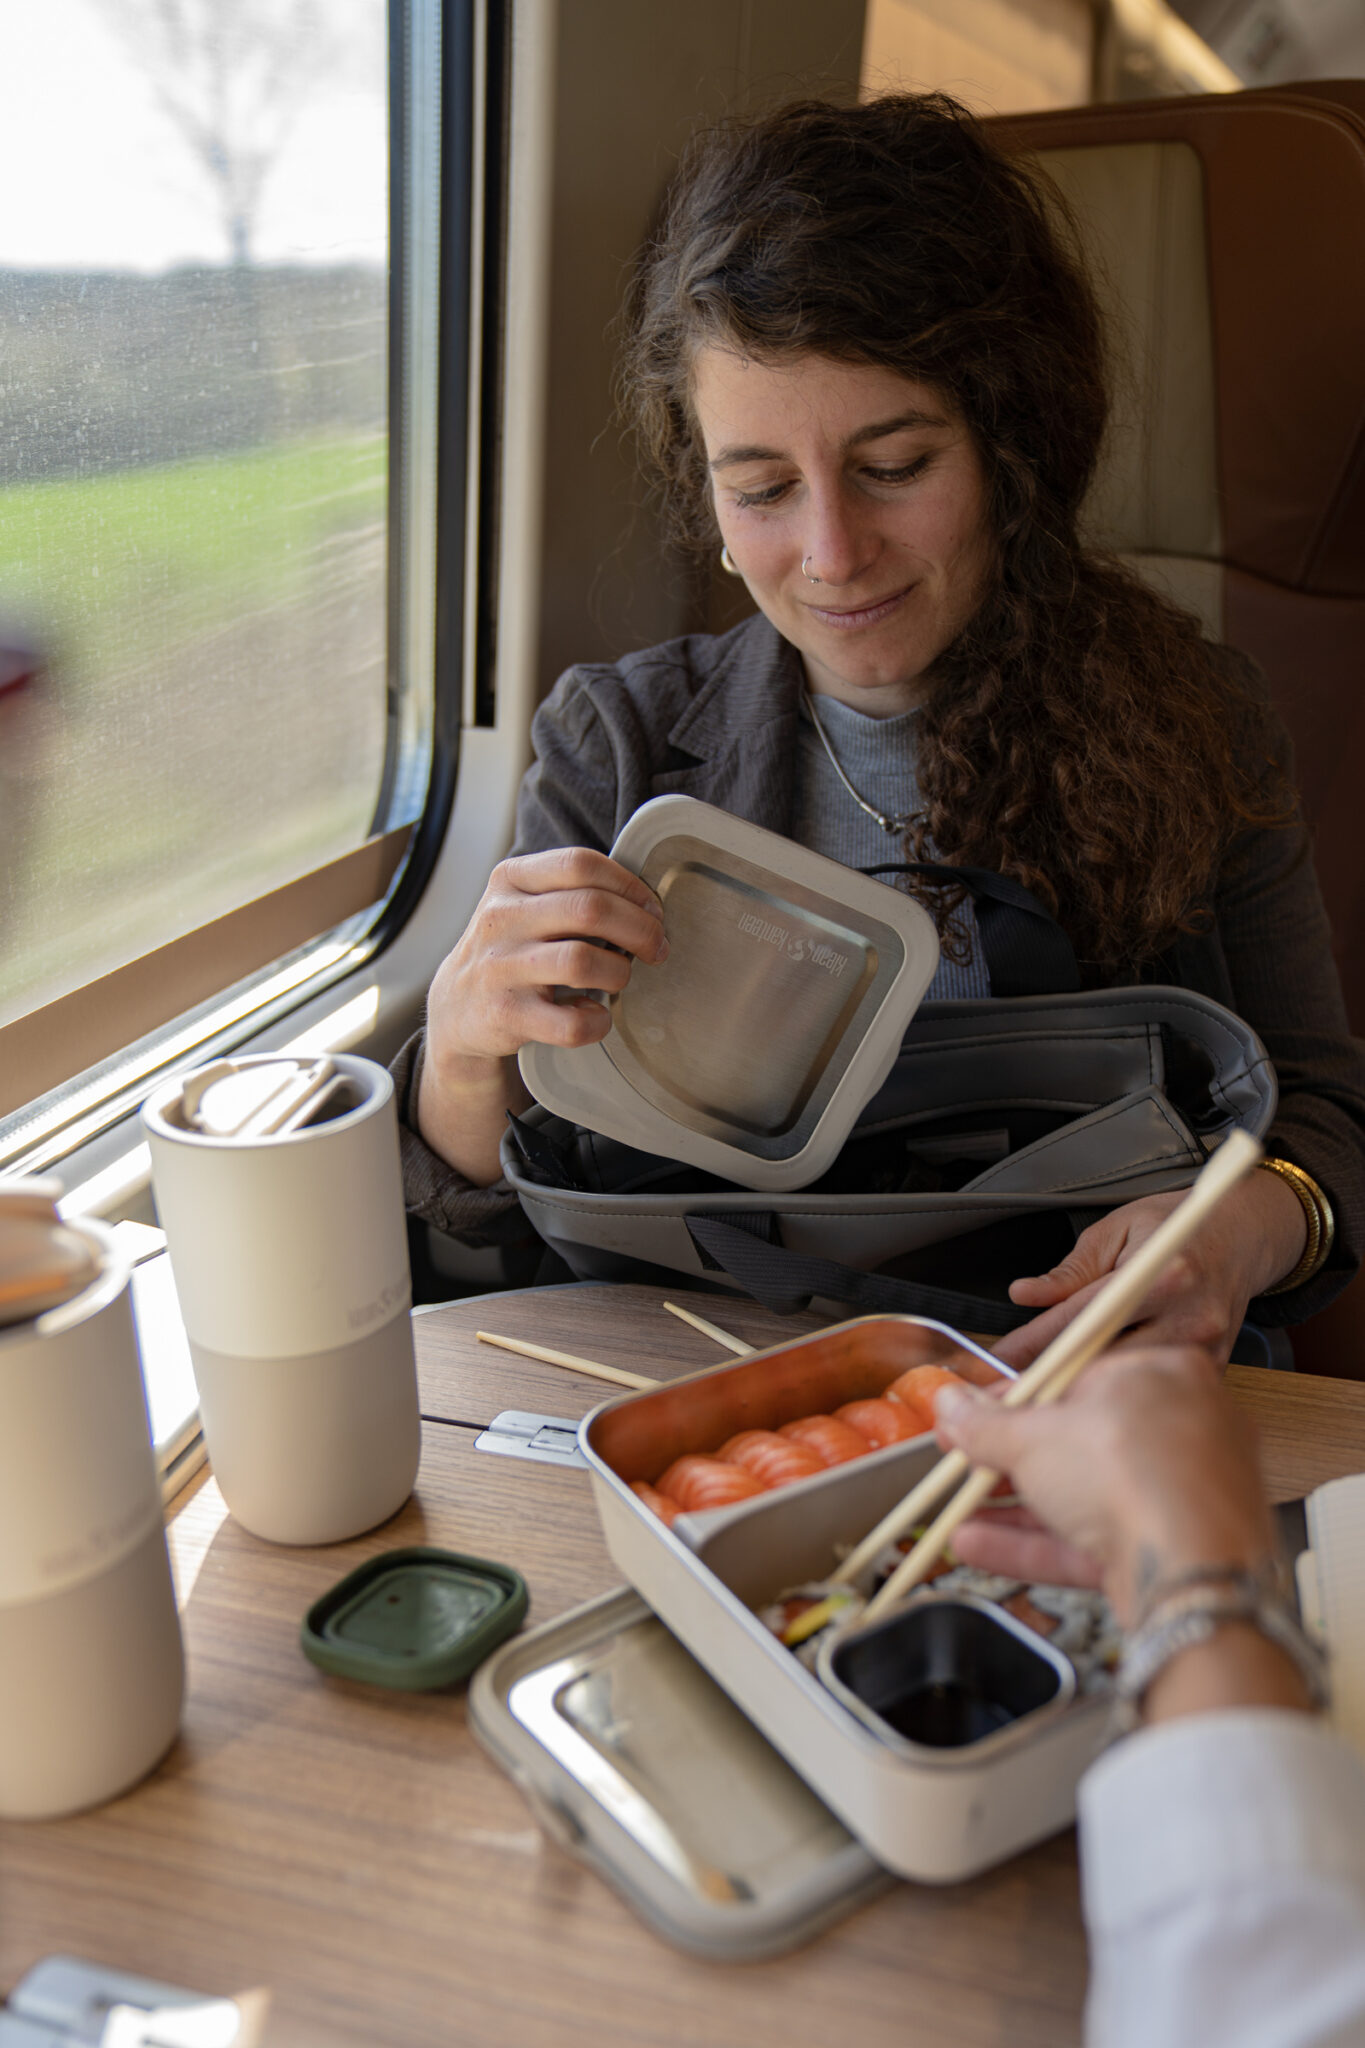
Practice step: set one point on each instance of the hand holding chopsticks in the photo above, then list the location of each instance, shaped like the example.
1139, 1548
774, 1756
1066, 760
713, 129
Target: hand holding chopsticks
1101, 1320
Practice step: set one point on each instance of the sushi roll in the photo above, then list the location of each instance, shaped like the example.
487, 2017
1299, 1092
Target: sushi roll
801, 1615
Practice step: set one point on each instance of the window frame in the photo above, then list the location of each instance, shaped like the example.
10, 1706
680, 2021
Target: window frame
71, 1070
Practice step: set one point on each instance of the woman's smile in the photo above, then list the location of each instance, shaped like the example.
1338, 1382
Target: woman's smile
851, 617
852, 502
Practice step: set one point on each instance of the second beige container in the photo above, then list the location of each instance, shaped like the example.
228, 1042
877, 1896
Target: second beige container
91, 1675
290, 1258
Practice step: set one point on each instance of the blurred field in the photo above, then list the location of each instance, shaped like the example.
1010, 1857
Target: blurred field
215, 721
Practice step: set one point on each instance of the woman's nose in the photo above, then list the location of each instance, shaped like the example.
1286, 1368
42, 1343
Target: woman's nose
837, 546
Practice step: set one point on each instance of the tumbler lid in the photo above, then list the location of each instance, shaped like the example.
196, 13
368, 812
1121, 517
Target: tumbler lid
752, 1048
260, 1097
43, 1261
414, 1619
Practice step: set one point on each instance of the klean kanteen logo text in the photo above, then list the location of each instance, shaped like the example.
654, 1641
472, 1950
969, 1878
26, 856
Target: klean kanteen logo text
796, 945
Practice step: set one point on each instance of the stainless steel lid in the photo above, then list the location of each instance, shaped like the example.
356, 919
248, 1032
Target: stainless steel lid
788, 985
635, 1760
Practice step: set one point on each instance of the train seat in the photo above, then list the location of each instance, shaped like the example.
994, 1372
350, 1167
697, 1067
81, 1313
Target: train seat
1227, 234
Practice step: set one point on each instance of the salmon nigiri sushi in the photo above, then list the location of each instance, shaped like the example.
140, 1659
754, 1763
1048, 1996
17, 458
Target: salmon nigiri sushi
881, 1421
695, 1482
919, 1388
660, 1504
833, 1442
774, 1460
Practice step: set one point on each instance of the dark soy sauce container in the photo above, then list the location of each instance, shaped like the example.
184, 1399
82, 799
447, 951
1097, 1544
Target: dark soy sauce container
947, 1674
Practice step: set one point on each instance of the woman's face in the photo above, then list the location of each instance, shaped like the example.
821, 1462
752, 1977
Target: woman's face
873, 482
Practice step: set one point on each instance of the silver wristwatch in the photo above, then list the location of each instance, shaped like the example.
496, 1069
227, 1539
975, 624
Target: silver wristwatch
1191, 1610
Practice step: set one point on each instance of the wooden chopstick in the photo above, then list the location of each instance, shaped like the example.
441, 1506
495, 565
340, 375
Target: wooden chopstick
1070, 1352
711, 1330
617, 1374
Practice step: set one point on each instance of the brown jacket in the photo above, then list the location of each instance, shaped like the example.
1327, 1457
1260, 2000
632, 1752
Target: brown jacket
717, 719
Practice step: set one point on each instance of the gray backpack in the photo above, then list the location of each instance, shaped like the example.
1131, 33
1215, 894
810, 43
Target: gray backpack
1003, 1128
774, 1109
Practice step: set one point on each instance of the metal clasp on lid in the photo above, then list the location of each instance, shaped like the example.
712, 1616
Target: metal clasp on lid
66, 2003
550, 1439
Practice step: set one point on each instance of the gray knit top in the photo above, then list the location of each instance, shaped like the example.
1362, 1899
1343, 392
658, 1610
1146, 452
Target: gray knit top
878, 755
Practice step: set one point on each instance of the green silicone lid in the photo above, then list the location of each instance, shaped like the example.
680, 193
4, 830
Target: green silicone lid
414, 1619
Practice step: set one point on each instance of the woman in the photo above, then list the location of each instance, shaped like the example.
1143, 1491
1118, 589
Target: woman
862, 359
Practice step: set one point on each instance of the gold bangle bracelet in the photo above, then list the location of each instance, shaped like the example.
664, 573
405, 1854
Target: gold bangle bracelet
1317, 1214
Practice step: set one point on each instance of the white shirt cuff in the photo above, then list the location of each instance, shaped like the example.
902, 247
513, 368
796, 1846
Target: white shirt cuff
1209, 1799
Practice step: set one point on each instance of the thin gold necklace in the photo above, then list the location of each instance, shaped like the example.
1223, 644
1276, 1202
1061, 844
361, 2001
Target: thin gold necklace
894, 825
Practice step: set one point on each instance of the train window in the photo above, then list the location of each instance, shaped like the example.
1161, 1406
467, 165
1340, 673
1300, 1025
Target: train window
217, 510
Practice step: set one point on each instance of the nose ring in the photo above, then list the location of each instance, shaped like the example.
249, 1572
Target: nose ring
806, 572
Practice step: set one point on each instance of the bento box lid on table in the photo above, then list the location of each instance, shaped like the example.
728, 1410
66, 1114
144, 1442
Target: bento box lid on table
751, 1050
634, 1759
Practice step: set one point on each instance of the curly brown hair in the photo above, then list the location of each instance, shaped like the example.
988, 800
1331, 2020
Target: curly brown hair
1081, 736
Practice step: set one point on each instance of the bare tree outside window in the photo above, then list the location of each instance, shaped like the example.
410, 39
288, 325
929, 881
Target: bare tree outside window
231, 80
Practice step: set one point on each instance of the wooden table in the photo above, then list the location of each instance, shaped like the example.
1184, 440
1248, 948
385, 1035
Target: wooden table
355, 1856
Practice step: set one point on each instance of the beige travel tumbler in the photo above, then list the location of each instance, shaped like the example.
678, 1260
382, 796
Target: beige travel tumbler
279, 1189
91, 1674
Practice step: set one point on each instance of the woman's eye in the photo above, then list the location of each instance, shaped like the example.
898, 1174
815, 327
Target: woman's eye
901, 473
765, 494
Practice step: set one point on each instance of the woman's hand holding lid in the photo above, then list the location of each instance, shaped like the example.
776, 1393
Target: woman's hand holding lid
549, 929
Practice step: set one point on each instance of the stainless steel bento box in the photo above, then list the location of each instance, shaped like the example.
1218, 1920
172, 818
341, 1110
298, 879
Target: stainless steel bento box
936, 1814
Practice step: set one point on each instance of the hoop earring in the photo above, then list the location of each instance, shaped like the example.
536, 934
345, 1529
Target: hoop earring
727, 563
806, 572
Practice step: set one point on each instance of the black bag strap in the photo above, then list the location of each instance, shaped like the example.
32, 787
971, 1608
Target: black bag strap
785, 1281
1027, 952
